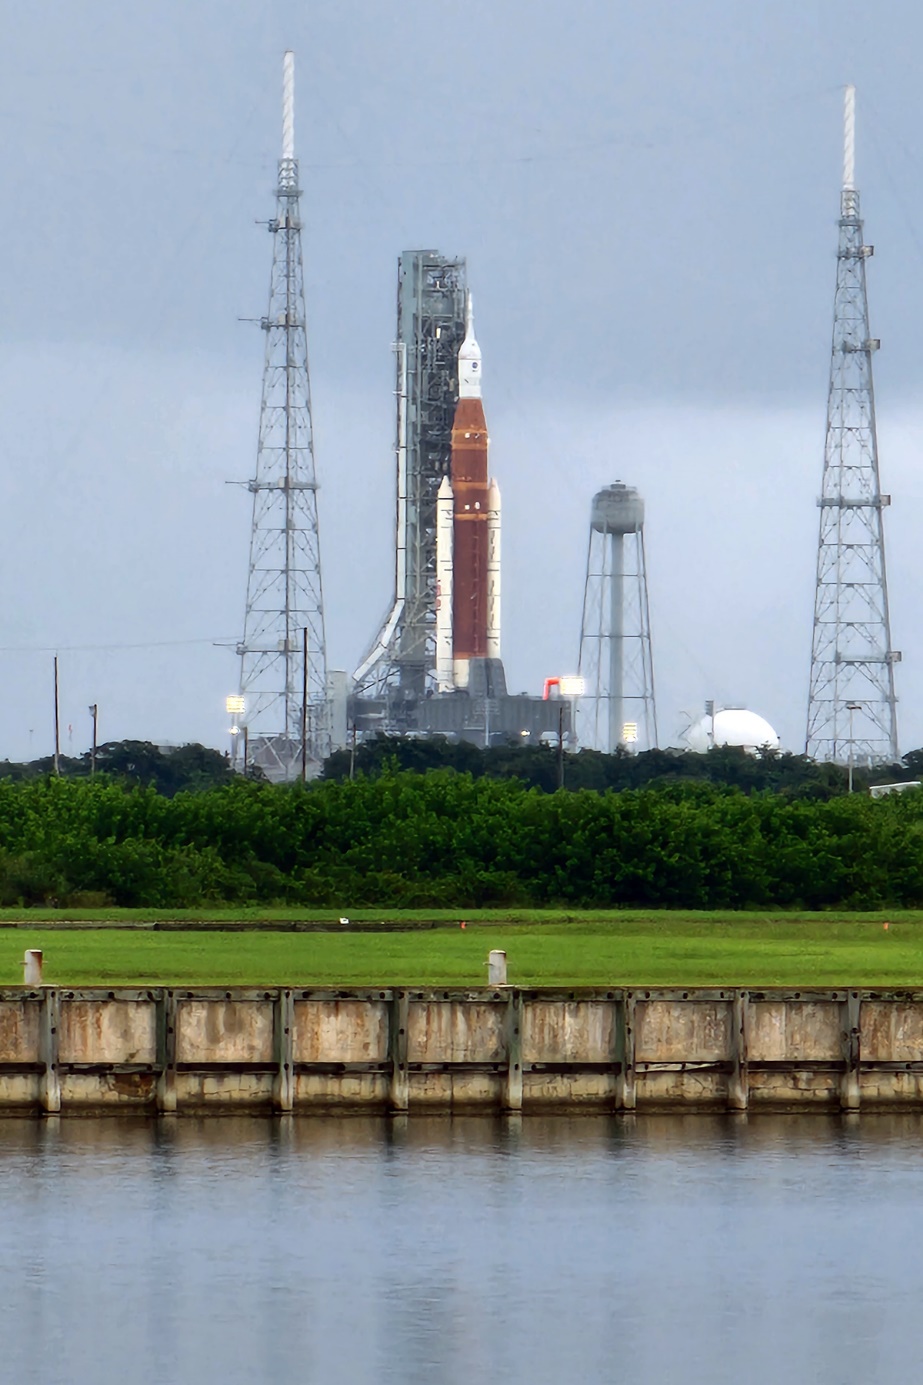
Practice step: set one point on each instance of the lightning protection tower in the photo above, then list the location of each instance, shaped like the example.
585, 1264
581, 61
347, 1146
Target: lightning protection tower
852, 707
283, 659
616, 663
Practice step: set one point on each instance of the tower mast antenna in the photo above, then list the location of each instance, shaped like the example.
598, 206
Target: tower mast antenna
852, 705
288, 107
849, 140
286, 712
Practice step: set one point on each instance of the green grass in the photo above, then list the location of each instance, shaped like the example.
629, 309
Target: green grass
658, 949
253, 918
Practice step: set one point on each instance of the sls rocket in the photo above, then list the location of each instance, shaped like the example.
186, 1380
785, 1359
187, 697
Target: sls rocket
467, 534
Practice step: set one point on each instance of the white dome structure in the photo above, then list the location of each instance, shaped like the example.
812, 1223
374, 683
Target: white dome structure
732, 726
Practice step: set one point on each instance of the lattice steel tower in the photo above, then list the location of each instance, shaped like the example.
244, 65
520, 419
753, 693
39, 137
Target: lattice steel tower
284, 590
852, 707
616, 663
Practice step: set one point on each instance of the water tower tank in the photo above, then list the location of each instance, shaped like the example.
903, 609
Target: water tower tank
617, 509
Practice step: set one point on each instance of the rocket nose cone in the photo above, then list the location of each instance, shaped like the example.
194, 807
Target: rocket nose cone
469, 358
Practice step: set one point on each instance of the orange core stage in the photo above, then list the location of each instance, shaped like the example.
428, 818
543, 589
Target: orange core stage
470, 487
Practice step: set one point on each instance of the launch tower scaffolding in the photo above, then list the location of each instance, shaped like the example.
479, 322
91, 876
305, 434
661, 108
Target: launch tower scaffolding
400, 666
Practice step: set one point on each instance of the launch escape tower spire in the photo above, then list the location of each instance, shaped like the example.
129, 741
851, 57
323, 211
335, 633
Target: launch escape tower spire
852, 707
400, 665
283, 651
617, 706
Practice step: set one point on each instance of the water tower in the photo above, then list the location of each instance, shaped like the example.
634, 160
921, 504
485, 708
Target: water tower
615, 633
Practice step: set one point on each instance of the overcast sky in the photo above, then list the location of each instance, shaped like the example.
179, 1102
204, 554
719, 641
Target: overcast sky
647, 195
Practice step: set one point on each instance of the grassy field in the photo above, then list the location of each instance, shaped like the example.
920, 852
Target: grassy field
590, 950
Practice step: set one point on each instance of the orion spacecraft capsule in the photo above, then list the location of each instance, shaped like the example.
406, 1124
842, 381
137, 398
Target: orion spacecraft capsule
467, 534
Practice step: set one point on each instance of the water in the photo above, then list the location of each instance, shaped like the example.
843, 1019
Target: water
648, 1250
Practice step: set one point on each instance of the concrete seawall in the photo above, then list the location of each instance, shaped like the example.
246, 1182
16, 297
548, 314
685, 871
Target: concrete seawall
505, 1049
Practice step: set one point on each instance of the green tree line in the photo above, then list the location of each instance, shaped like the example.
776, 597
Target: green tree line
796, 776
135, 762
447, 839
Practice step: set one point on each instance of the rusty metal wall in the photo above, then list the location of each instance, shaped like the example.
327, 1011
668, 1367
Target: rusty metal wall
502, 1049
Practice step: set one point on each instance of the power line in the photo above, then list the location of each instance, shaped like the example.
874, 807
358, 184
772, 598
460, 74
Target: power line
141, 644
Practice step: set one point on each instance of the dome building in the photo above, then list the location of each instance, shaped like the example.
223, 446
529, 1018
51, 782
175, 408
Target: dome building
732, 726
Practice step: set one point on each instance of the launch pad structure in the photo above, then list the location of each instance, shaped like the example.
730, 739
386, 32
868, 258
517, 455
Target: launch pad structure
416, 679
292, 711
435, 668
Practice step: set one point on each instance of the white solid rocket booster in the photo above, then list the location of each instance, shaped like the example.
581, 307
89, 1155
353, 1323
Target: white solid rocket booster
445, 524
493, 571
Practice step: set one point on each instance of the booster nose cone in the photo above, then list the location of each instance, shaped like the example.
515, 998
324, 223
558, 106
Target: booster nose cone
469, 358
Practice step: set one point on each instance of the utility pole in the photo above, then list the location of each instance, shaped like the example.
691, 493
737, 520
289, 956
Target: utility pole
304, 704
94, 711
710, 714
851, 707
852, 661
57, 721
352, 753
561, 744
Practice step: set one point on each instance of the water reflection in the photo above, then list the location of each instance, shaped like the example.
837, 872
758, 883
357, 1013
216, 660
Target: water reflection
637, 1249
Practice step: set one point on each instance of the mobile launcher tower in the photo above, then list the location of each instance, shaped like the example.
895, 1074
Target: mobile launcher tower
435, 666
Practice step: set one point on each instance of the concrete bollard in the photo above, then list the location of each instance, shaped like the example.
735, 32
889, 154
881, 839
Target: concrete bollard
496, 968
32, 967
